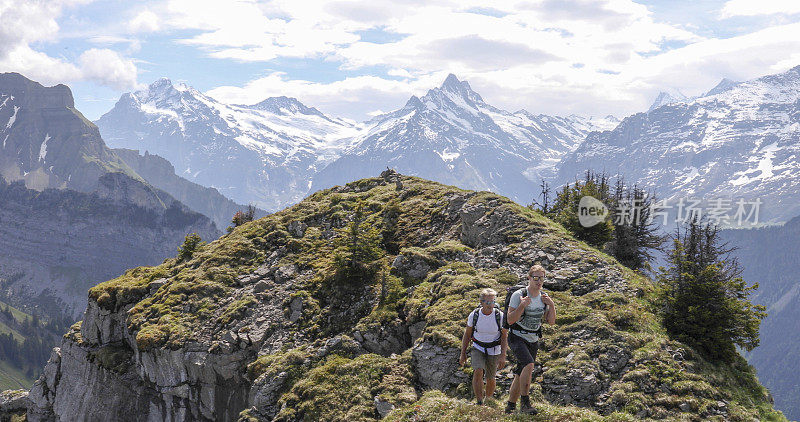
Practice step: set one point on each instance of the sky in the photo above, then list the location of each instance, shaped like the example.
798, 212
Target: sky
355, 59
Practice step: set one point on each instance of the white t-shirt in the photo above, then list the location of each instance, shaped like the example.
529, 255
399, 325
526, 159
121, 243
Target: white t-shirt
486, 330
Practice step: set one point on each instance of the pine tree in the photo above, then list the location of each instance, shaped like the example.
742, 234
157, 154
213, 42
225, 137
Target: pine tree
357, 244
191, 244
704, 300
635, 235
565, 209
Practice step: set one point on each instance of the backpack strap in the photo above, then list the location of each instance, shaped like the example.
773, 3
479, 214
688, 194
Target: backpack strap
517, 327
497, 318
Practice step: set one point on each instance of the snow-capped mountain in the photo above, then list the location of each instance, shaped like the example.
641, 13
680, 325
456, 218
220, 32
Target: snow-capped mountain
453, 136
268, 153
723, 85
666, 98
742, 140
263, 154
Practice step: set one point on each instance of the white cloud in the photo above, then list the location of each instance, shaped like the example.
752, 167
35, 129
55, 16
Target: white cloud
144, 21
24, 23
354, 97
761, 7
542, 48
108, 68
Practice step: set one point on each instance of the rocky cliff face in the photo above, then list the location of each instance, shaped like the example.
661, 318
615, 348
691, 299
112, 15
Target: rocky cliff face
262, 324
46, 142
160, 173
58, 243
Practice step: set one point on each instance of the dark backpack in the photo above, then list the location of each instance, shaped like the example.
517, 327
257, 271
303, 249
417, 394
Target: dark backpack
475, 315
510, 291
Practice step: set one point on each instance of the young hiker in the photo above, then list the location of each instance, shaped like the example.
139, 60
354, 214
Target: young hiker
526, 309
489, 344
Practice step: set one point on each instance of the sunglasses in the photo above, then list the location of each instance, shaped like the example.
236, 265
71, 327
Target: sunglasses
537, 277
488, 302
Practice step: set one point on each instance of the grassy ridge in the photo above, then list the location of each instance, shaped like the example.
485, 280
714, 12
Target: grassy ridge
658, 377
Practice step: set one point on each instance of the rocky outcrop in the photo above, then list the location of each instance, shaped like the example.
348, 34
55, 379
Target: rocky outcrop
13, 404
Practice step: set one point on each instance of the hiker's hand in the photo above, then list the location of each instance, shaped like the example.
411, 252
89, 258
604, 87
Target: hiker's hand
525, 301
501, 362
463, 359
547, 300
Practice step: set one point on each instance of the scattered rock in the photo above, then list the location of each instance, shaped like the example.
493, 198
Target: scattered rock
296, 309
436, 366
383, 407
285, 273
156, 284
411, 265
297, 228
261, 286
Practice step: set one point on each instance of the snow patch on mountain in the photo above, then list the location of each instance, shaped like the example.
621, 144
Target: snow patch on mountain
13, 118
43, 148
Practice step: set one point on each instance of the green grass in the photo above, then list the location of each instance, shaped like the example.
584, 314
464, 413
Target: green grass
5, 329
12, 378
18, 315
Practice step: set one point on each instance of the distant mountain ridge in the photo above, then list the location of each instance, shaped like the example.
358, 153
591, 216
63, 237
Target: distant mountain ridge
73, 212
453, 136
279, 150
263, 154
160, 173
46, 141
740, 140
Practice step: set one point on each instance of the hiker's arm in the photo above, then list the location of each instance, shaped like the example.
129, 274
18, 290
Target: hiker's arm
503, 342
464, 344
550, 315
501, 363
514, 314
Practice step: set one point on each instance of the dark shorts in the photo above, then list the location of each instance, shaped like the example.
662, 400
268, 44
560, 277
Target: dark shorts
524, 352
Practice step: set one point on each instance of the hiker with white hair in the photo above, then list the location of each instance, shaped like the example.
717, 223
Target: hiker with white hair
489, 344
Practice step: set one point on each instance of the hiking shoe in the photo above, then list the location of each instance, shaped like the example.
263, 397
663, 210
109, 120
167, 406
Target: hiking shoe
511, 407
480, 402
525, 406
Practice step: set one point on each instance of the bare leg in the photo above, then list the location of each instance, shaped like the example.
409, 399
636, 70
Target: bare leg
490, 386
477, 384
513, 392
525, 381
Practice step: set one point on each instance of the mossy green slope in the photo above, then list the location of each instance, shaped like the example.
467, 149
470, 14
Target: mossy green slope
350, 348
